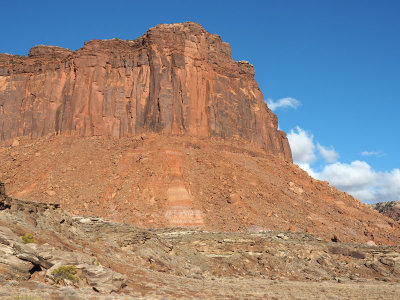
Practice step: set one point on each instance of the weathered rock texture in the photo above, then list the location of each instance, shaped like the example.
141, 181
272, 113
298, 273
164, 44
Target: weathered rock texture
390, 209
175, 79
22, 260
176, 263
158, 181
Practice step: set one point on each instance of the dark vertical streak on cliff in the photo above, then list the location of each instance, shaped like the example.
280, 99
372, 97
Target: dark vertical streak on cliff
183, 80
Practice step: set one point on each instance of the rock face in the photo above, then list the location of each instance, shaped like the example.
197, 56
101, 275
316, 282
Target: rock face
390, 209
175, 79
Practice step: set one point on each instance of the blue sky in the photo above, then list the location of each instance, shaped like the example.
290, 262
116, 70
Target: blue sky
339, 59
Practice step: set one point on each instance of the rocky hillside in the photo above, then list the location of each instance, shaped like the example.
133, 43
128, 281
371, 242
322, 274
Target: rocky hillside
390, 209
175, 79
179, 181
46, 253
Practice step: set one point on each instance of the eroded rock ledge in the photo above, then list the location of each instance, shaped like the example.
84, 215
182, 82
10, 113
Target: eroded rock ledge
33, 260
140, 262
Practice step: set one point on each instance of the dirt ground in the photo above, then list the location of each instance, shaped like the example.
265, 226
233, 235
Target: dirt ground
180, 263
176, 288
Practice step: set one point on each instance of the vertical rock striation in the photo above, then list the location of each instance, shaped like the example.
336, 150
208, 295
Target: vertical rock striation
175, 79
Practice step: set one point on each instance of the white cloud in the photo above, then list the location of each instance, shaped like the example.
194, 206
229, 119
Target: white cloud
302, 145
389, 183
365, 194
349, 176
328, 153
371, 153
283, 103
309, 170
357, 178
360, 180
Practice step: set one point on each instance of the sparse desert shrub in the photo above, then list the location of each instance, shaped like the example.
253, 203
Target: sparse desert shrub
29, 238
65, 273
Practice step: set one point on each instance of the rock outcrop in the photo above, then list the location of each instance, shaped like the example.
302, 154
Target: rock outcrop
390, 209
20, 260
180, 263
175, 79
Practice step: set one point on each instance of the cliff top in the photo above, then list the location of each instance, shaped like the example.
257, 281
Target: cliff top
172, 36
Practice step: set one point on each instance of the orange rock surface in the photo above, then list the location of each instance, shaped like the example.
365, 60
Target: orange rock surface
175, 79
157, 181
163, 131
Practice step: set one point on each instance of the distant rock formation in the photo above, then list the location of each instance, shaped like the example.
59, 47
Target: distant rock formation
175, 79
390, 209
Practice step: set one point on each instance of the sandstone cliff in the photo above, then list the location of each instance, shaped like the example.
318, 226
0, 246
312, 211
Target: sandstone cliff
175, 79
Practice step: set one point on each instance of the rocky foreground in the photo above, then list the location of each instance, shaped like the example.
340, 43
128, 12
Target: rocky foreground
123, 261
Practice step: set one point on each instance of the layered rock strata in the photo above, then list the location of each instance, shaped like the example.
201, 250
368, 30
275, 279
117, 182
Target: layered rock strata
134, 263
30, 259
175, 79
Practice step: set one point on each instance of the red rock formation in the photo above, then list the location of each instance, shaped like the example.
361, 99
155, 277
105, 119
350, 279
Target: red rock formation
175, 79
